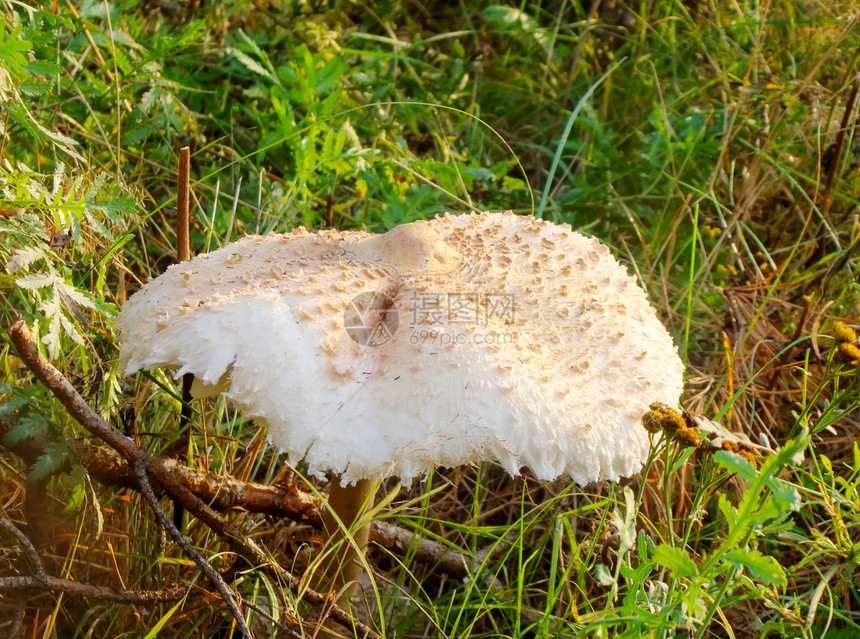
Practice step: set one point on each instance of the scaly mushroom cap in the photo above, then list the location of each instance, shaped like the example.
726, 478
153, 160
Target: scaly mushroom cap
475, 337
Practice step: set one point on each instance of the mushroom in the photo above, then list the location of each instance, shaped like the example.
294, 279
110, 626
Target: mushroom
465, 338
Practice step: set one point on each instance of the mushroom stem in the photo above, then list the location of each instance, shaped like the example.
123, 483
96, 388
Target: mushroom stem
347, 504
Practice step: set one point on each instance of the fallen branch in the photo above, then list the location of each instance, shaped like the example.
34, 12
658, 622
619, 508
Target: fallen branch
281, 500
45, 582
168, 479
221, 493
427, 551
131, 452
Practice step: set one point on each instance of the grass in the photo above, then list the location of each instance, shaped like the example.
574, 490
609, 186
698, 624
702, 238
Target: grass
696, 138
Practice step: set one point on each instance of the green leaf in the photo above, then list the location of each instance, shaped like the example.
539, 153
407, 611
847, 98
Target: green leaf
76, 499
626, 522
28, 426
263, 68
767, 508
602, 574
42, 67
678, 561
329, 76
785, 495
729, 512
55, 456
249, 63
36, 280
643, 545
516, 19
734, 463
15, 402
827, 464
24, 257
761, 567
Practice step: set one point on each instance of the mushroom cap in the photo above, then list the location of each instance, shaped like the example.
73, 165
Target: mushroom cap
466, 338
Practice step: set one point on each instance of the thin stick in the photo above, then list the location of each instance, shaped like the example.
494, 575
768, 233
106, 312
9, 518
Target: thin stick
183, 253
329, 204
183, 197
259, 202
124, 445
833, 164
29, 548
233, 213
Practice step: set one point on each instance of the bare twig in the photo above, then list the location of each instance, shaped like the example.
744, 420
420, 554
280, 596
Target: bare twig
221, 493
131, 452
11, 528
285, 631
401, 540
16, 630
69, 397
836, 155
183, 193
45, 582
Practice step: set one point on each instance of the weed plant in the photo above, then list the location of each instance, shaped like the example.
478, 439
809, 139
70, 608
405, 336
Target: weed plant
713, 145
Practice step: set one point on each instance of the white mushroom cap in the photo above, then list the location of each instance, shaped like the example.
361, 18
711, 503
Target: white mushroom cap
480, 337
